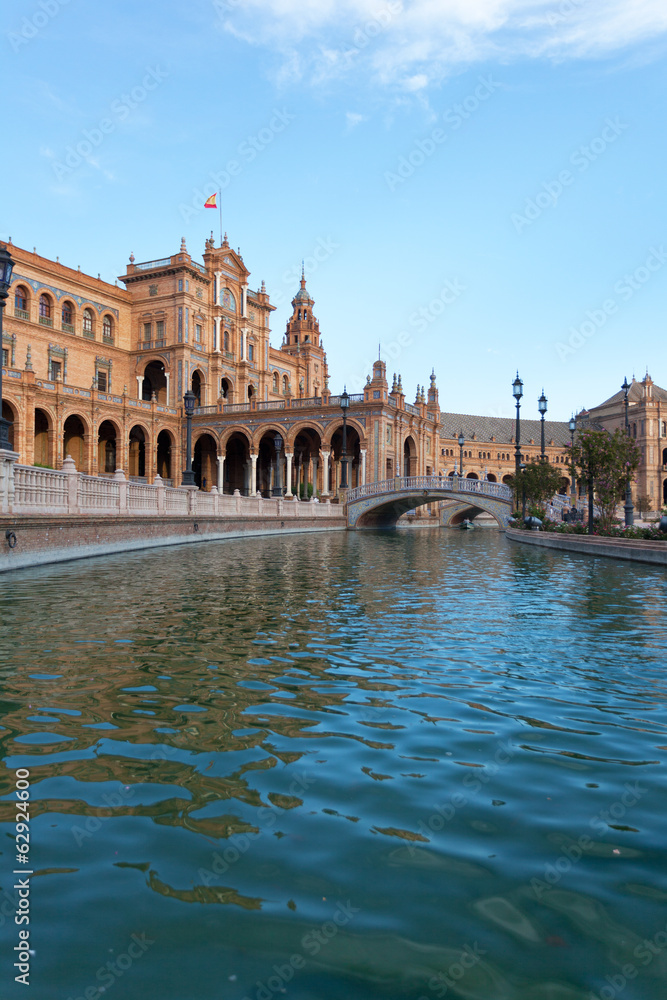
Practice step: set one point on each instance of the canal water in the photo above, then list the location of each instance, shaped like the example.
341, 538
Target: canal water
411, 764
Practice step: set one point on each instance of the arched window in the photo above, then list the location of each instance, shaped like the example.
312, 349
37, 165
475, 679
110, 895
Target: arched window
21, 301
275, 382
227, 340
285, 384
67, 316
45, 310
88, 323
107, 328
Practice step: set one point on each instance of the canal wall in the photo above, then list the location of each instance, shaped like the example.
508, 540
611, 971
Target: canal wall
35, 541
637, 550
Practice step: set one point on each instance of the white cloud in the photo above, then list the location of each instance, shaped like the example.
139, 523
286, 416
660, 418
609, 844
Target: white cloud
413, 43
353, 119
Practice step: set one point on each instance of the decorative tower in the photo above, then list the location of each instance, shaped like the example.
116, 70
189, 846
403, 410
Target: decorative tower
302, 340
302, 327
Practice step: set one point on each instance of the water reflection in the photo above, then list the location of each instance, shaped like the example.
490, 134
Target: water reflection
227, 743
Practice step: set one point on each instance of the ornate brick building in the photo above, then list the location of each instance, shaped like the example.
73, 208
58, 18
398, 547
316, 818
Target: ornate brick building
98, 372
647, 415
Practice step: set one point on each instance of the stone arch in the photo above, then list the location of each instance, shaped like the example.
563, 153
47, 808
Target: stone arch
235, 445
75, 439
251, 390
10, 414
109, 435
165, 454
204, 463
43, 438
198, 386
410, 456
305, 445
384, 511
472, 475
271, 463
508, 480
355, 442
336, 425
227, 388
155, 380
138, 440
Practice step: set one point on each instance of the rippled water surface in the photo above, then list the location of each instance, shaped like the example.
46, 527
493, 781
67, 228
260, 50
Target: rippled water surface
411, 764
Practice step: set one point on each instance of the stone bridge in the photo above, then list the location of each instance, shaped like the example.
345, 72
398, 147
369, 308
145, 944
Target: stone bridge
380, 505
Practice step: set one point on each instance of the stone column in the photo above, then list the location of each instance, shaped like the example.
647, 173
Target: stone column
221, 472
216, 335
314, 472
140, 379
325, 472
253, 475
289, 456
168, 403
363, 466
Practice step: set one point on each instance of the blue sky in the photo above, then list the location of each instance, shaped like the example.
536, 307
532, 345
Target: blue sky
476, 185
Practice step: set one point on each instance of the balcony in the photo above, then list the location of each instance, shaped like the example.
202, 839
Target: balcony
21, 313
46, 321
89, 334
107, 338
67, 327
230, 356
149, 264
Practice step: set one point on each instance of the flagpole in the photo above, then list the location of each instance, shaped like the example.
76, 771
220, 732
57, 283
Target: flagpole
220, 207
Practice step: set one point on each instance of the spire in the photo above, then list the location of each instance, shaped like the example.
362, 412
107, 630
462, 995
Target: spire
184, 249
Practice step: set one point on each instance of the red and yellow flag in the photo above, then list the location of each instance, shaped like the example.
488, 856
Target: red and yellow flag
211, 202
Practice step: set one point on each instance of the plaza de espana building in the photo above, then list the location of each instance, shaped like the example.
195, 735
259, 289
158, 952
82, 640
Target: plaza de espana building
98, 371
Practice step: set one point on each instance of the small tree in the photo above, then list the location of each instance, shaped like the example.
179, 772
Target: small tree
540, 481
643, 504
608, 462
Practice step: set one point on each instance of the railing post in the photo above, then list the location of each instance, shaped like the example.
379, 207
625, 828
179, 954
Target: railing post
237, 498
8, 460
192, 500
69, 468
161, 494
119, 477
216, 500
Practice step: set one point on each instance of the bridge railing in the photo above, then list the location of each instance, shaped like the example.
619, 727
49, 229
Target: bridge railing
451, 484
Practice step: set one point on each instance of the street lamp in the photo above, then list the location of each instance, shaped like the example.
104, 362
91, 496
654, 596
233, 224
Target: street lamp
6, 268
462, 441
189, 400
277, 490
542, 406
628, 506
344, 405
517, 390
522, 468
573, 426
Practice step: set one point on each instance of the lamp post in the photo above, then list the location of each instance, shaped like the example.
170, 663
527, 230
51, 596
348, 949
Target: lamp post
628, 506
522, 468
277, 490
6, 268
573, 426
462, 441
517, 390
344, 405
542, 406
189, 400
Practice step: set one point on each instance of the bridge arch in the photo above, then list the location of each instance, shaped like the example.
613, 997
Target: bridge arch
381, 504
